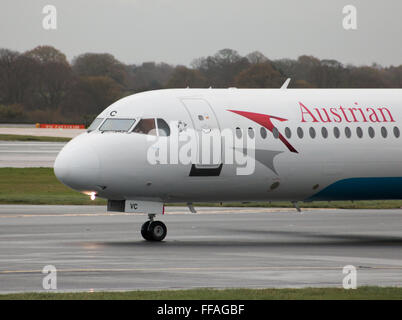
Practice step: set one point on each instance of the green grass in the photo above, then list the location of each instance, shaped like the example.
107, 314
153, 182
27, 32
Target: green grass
37, 186
363, 293
17, 137
40, 186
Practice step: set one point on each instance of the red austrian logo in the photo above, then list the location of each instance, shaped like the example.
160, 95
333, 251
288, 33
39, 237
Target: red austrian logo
341, 114
265, 121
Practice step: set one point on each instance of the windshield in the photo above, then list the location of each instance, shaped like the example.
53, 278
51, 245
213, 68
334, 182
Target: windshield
120, 125
95, 124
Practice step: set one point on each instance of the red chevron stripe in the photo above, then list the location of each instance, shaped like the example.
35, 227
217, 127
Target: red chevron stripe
265, 121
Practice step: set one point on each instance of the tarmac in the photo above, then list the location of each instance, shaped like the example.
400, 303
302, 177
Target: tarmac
216, 247
44, 132
23, 154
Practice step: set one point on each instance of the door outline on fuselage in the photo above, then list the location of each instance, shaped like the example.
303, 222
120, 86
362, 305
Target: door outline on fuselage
193, 121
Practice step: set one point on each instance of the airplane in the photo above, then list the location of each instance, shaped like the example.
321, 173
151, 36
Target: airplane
147, 150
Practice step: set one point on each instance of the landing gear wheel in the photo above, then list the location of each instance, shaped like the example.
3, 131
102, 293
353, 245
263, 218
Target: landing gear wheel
157, 230
144, 231
154, 231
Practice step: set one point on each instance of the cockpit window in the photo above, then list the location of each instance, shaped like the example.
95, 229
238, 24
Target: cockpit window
119, 125
146, 126
163, 128
95, 124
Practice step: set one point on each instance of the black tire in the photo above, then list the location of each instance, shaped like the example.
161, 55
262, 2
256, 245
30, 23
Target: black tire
157, 230
145, 231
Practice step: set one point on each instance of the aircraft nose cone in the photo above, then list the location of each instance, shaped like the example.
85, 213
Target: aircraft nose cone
77, 167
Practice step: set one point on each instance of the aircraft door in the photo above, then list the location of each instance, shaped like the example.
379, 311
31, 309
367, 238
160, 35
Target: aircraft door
207, 130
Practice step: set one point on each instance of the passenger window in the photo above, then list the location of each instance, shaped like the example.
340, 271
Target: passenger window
163, 128
371, 132
348, 132
312, 132
263, 132
238, 133
337, 133
300, 132
384, 132
117, 125
288, 133
251, 133
359, 132
95, 124
324, 132
275, 132
396, 132
146, 126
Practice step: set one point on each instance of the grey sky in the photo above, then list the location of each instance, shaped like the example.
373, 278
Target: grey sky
177, 31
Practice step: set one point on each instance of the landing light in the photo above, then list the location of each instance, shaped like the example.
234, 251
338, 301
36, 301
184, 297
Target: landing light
93, 196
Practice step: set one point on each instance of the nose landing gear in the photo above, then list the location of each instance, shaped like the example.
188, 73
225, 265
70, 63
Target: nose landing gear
153, 230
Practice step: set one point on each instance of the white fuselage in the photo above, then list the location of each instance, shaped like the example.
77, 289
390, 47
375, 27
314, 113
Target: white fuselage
320, 165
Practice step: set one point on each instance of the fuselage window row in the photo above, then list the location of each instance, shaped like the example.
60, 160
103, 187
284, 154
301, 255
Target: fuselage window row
324, 132
160, 127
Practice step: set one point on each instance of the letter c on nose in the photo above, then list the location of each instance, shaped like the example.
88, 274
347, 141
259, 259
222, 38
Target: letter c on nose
113, 113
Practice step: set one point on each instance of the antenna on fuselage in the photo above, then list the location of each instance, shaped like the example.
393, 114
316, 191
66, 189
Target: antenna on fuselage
285, 84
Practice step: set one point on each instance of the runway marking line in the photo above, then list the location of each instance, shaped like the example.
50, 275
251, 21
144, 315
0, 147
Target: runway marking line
199, 269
